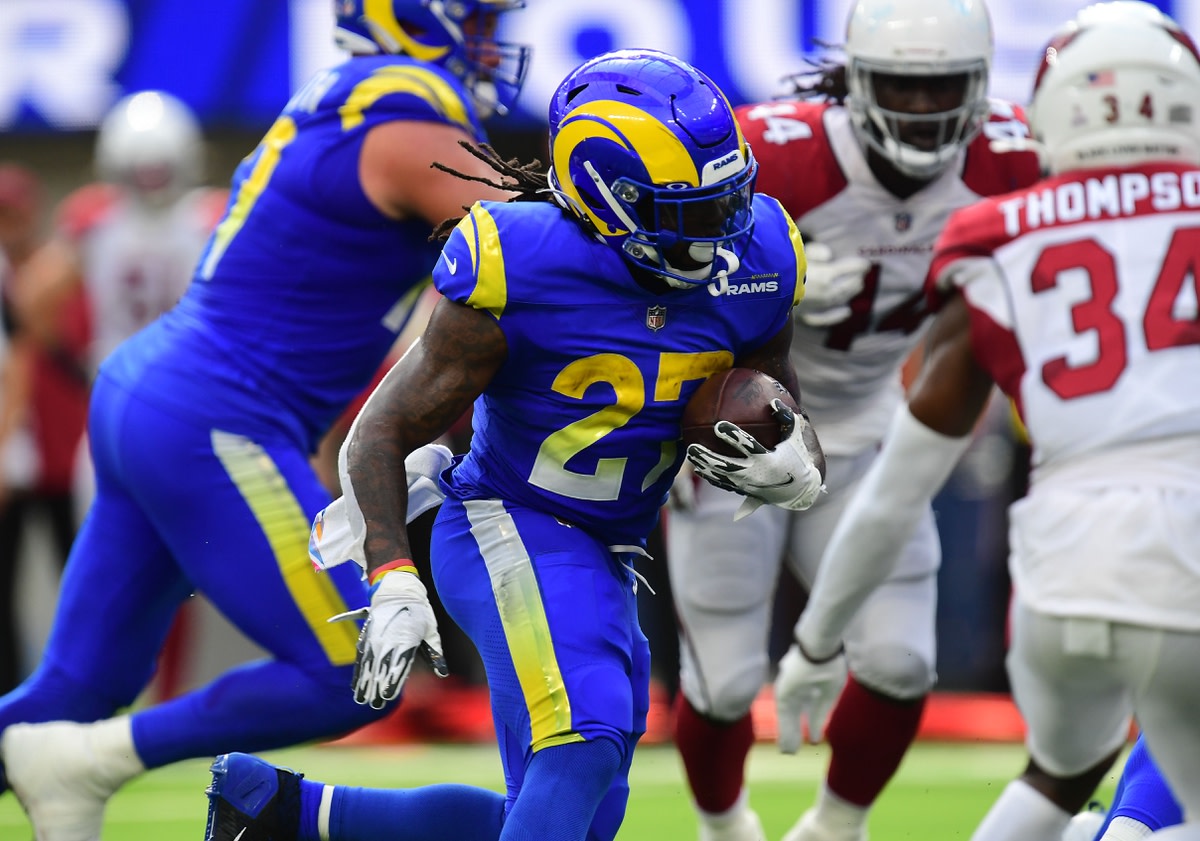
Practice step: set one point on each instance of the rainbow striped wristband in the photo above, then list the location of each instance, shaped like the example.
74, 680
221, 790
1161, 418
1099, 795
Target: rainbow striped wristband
401, 564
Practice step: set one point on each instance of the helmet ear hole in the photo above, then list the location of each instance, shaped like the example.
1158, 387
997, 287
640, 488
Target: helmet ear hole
574, 92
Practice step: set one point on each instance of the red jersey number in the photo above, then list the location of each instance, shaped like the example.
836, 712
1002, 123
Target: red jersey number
905, 317
1162, 328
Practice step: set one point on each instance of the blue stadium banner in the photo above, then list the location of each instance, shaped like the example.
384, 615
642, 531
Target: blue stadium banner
63, 62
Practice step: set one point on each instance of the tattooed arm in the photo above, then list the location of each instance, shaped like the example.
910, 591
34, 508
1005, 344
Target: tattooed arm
430, 388
774, 359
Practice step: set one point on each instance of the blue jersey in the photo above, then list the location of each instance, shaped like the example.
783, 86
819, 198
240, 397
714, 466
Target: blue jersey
304, 284
583, 419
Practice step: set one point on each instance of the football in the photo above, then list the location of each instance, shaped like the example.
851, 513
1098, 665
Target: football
738, 395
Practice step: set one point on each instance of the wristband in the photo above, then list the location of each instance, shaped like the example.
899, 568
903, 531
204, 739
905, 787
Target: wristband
401, 564
819, 661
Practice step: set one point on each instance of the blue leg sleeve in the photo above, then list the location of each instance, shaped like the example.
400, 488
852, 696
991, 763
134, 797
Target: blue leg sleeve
563, 789
1142, 793
430, 813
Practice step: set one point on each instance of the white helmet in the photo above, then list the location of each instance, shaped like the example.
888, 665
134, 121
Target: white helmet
1118, 10
917, 38
151, 143
1118, 85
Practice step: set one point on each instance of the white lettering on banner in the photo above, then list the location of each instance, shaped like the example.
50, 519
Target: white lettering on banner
59, 58
1098, 198
556, 30
762, 41
312, 45
310, 96
758, 41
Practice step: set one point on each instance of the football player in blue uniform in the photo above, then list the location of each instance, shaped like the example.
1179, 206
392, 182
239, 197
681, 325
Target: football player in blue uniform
202, 426
578, 328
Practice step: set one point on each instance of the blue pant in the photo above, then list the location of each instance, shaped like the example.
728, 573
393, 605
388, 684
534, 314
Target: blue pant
554, 615
182, 507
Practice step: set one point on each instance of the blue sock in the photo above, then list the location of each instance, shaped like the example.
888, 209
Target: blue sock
564, 786
429, 813
1142, 793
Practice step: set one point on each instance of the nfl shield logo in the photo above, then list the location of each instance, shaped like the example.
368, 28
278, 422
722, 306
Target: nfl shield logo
656, 318
903, 222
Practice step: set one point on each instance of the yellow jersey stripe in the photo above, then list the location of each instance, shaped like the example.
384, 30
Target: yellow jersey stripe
801, 260
286, 528
523, 617
487, 259
418, 81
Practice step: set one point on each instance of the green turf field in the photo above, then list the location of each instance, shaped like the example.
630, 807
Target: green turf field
940, 793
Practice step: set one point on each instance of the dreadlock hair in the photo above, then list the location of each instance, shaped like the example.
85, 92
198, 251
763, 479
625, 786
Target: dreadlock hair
826, 79
527, 179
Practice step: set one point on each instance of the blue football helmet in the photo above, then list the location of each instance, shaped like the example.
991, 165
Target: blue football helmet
455, 34
646, 151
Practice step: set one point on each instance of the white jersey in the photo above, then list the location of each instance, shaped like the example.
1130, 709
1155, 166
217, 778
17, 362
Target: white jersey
136, 261
18, 453
1082, 292
809, 159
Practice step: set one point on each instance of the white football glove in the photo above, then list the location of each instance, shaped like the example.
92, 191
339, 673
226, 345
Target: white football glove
805, 692
829, 285
400, 622
787, 476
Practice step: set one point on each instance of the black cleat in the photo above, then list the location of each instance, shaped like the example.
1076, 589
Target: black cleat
252, 800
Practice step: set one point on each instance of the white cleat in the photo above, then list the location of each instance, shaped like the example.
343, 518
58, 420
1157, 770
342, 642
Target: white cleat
63, 774
1084, 826
809, 829
744, 825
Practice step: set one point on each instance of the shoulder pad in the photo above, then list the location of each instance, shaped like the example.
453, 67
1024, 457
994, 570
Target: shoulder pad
989, 173
471, 268
84, 208
976, 230
796, 163
408, 90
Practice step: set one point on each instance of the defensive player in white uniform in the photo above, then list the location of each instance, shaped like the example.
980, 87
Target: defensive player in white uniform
18, 463
1078, 299
870, 181
130, 240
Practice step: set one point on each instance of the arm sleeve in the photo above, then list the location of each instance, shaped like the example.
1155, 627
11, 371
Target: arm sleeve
914, 463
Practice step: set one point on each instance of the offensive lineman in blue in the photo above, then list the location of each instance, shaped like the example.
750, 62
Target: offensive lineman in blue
578, 328
202, 426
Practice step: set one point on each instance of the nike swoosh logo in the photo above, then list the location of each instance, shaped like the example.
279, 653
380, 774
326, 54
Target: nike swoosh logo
452, 264
764, 487
240, 834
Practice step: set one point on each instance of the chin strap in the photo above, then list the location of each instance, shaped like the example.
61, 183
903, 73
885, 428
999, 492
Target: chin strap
720, 282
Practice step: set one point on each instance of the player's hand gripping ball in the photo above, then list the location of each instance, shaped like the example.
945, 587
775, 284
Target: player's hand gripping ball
741, 396
745, 433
